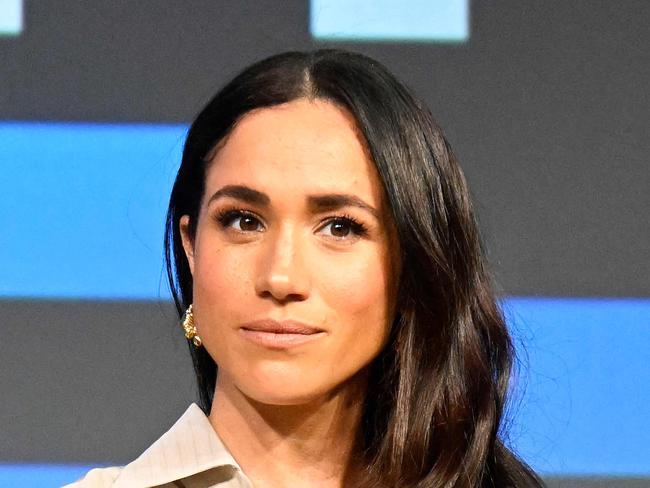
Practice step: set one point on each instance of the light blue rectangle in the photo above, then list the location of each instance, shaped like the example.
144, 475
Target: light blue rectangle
585, 410
40, 475
11, 17
390, 20
83, 209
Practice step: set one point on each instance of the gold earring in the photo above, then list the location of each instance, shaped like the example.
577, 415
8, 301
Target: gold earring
190, 328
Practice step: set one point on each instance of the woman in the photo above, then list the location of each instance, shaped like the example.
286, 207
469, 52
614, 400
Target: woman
323, 252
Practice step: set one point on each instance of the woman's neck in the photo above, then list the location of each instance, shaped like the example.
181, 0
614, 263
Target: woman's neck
292, 445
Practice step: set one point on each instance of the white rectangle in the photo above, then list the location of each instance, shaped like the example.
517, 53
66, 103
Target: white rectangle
390, 20
11, 17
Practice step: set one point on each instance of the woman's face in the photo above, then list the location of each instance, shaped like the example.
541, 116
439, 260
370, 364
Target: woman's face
294, 259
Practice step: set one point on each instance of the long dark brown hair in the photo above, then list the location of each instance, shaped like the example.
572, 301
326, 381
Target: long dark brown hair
433, 414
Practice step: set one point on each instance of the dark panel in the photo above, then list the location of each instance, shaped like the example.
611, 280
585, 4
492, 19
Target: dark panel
155, 61
136, 61
597, 482
87, 382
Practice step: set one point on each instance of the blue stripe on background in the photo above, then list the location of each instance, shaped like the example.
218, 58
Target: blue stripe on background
585, 410
394, 20
83, 209
40, 475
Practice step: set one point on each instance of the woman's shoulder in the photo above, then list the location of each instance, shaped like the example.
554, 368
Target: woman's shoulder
97, 478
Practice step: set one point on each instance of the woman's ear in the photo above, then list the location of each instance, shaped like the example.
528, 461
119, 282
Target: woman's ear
188, 242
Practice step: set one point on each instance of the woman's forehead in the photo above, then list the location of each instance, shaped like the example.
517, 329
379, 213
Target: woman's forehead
304, 146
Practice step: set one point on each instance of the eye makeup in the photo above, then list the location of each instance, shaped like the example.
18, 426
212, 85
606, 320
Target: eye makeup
250, 222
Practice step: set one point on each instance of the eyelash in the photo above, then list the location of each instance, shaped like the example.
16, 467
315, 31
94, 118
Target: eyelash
227, 215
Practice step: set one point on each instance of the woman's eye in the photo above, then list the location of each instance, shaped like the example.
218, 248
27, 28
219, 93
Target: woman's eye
241, 221
344, 228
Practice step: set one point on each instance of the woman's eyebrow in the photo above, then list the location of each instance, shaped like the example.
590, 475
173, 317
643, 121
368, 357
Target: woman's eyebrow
316, 203
241, 192
333, 201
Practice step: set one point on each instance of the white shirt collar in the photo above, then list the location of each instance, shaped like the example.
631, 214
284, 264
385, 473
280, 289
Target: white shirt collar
189, 447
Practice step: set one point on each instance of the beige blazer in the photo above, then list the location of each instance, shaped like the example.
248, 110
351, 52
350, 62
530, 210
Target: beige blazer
189, 455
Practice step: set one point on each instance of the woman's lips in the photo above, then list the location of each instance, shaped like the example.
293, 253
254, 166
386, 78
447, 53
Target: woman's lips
280, 335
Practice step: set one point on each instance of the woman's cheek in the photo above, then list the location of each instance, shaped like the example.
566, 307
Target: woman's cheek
222, 279
356, 288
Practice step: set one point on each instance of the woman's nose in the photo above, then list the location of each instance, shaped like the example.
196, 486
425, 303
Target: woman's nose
282, 273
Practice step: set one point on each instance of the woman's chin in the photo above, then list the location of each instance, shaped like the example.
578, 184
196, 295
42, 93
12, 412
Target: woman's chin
285, 387
279, 392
